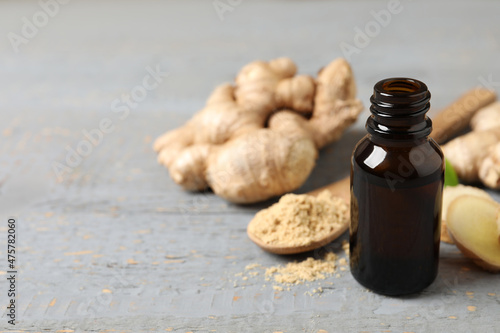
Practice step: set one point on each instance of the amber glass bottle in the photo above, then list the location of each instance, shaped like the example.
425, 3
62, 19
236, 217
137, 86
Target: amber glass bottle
397, 175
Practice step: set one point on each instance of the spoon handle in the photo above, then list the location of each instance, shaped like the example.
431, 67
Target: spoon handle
340, 188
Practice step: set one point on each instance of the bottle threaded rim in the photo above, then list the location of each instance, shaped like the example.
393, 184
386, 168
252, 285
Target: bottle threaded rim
399, 107
400, 96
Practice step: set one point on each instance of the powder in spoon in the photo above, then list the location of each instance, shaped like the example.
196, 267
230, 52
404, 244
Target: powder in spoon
298, 220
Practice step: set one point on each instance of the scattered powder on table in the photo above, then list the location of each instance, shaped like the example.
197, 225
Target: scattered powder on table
252, 266
308, 270
345, 247
298, 220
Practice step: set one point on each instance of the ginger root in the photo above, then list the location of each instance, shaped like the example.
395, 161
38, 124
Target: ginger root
456, 117
489, 168
226, 146
486, 118
476, 156
467, 152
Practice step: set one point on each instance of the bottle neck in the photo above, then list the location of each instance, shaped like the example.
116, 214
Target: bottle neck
381, 140
399, 107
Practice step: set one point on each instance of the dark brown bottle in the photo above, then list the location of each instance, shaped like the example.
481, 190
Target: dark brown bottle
397, 175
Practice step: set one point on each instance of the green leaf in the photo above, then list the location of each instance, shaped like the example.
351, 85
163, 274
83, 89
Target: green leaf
450, 176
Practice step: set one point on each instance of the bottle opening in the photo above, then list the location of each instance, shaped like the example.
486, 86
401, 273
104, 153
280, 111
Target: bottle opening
400, 95
401, 86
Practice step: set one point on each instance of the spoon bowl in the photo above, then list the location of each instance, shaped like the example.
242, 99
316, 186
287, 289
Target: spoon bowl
339, 189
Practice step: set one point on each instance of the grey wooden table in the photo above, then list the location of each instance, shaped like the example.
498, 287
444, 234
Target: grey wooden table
107, 242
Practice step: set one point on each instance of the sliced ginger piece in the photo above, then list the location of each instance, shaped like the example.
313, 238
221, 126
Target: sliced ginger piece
472, 222
450, 193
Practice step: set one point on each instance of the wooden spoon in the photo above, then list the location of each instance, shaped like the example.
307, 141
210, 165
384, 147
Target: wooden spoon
339, 189
449, 121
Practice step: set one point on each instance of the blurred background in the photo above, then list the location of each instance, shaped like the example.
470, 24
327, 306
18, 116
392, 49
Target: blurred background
67, 65
65, 62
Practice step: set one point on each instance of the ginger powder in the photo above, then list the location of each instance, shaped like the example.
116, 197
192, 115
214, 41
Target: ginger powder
298, 220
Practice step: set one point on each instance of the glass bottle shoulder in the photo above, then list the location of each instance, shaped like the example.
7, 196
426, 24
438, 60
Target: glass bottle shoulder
407, 159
